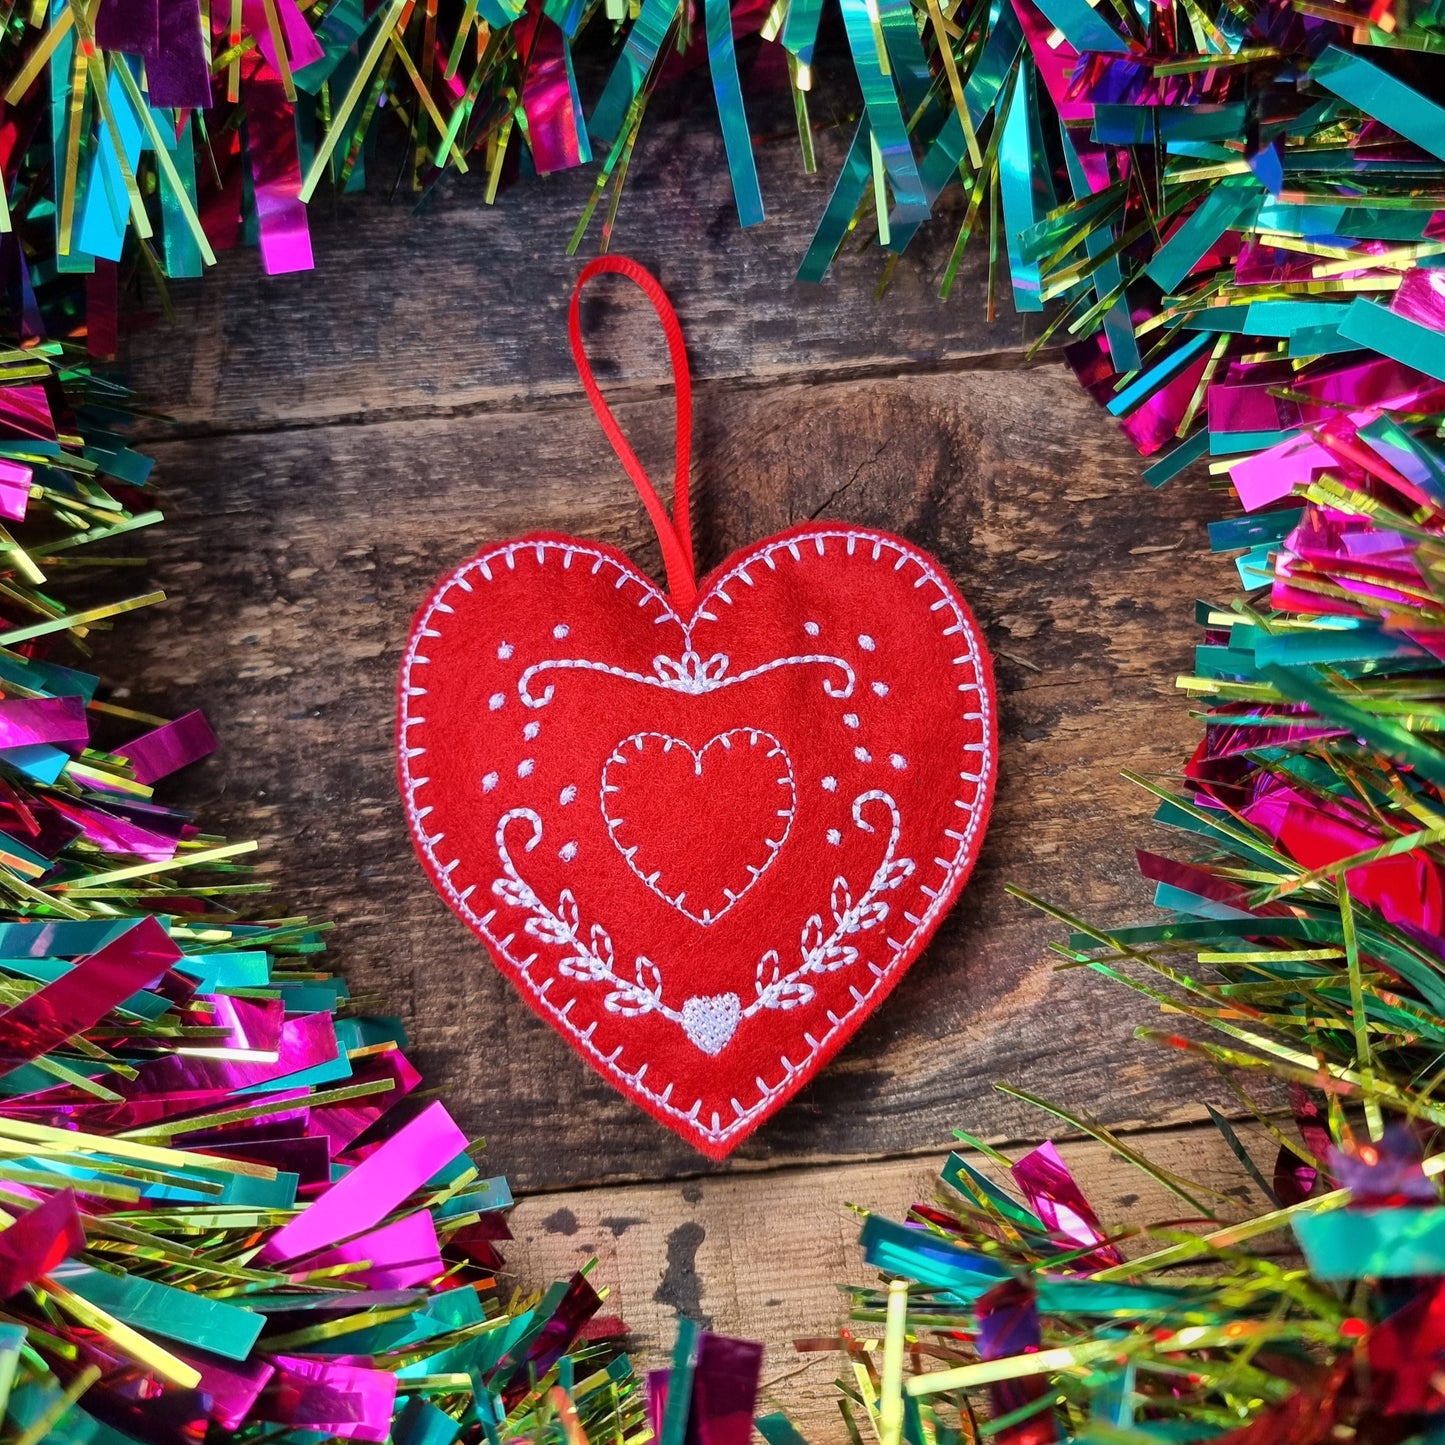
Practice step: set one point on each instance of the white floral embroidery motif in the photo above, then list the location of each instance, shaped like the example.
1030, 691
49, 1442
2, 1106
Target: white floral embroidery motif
590, 960
690, 674
708, 1021
777, 990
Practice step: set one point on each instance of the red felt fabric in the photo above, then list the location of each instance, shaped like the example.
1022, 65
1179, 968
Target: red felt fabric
706, 833
706, 843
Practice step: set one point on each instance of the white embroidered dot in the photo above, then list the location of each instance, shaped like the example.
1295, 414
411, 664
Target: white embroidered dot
524, 768
830, 785
881, 688
811, 628
504, 651
560, 631
834, 837
567, 852
863, 755
497, 701
866, 642
568, 794
490, 782
898, 761
531, 730
850, 719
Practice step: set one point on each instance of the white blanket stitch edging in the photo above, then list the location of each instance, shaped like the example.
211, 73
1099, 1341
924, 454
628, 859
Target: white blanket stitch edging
762, 554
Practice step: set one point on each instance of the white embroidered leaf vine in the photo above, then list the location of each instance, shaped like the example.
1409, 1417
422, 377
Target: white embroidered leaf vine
590, 961
822, 954
704, 1020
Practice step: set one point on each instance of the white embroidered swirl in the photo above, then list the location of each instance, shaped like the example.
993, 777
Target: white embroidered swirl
691, 674
591, 961
827, 955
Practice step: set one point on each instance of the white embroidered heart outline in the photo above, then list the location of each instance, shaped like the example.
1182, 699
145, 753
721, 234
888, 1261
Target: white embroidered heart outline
753, 738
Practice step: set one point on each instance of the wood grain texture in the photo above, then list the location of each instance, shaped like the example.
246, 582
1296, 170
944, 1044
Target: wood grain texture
305, 553
464, 307
766, 1260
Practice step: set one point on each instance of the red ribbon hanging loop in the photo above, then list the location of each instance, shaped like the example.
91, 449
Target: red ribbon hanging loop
674, 532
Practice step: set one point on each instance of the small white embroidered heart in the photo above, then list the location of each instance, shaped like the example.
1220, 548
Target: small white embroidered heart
711, 1020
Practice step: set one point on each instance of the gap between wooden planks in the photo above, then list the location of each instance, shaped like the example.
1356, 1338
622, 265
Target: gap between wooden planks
467, 309
762, 1256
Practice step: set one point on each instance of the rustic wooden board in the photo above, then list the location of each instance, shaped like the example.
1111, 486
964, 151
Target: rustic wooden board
466, 307
289, 615
765, 1261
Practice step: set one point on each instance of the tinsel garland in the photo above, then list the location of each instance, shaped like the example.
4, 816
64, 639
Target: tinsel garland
1305, 941
1302, 961
1236, 208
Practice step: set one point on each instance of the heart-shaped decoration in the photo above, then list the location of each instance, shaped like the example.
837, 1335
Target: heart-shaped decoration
539, 663
711, 1022
704, 831
665, 815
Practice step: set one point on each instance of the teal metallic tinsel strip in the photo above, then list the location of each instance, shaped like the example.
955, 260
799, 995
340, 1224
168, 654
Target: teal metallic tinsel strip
644, 40
842, 205
945, 152
800, 29
62, 60
1082, 26
905, 52
1123, 346
885, 120
1020, 185
723, 62
183, 256
101, 229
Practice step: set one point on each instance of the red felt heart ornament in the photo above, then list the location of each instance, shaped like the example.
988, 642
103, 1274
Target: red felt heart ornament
703, 831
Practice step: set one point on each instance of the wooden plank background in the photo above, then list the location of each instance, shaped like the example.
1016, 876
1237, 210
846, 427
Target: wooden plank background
766, 1258
339, 439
